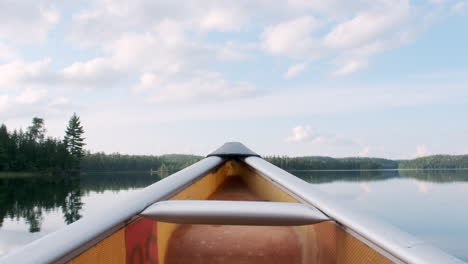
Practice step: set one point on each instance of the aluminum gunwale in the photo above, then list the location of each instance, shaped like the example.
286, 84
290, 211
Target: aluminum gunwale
399, 245
72, 240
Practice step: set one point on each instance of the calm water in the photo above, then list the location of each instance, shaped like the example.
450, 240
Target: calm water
432, 205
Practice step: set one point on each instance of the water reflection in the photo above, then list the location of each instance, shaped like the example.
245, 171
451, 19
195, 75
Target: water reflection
432, 205
30, 198
116, 181
435, 176
341, 175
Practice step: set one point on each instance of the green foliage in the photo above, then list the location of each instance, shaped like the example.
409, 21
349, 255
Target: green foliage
36, 132
99, 162
437, 162
327, 163
33, 151
74, 140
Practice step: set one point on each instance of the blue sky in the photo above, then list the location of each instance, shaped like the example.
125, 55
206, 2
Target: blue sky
386, 78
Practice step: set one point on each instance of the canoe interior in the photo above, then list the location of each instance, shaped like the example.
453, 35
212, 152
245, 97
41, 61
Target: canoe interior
147, 241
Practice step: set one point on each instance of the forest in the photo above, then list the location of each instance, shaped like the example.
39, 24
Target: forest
100, 162
328, 163
31, 150
436, 162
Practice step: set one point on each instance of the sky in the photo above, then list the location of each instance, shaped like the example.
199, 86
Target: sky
379, 78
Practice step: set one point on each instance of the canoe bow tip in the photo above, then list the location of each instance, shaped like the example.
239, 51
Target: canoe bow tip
233, 150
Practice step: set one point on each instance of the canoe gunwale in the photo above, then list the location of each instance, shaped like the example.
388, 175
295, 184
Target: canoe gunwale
389, 241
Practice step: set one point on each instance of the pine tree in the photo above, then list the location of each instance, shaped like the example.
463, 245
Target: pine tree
36, 132
74, 140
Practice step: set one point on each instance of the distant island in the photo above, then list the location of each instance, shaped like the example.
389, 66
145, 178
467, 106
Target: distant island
32, 151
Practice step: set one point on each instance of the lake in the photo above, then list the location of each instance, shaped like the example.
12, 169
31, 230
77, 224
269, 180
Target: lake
432, 205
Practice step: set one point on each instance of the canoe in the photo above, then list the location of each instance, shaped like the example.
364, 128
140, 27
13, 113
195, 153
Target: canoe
231, 207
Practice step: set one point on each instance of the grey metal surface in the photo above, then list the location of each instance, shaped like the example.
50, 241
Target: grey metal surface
234, 213
233, 150
70, 241
388, 240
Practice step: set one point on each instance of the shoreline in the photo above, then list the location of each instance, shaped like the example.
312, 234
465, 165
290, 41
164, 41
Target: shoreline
29, 174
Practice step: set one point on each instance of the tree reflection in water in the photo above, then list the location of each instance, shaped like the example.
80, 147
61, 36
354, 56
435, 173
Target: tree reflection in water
328, 176
30, 197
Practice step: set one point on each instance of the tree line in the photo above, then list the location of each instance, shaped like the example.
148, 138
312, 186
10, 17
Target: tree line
100, 162
328, 163
31, 150
436, 162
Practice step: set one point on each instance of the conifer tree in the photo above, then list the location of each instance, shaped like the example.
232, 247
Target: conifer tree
74, 140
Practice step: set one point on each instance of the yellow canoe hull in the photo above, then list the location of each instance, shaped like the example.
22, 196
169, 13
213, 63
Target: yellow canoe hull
147, 241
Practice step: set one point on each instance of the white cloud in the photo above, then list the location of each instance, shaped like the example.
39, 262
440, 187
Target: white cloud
40, 74
348, 67
292, 38
202, 87
31, 96
31, 101
88, 68
368, 25
164, 48
167, 40
460, 8
97, 73
105, 20
27, 21
170, 65
422, 151
294, 70
365, 29
222, 19
18, 73
300, 134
